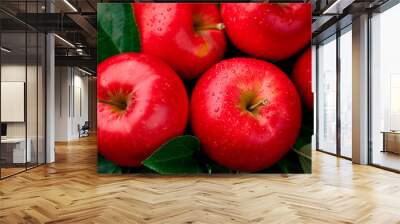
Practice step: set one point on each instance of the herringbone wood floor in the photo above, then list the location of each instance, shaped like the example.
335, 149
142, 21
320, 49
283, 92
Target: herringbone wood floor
70, 191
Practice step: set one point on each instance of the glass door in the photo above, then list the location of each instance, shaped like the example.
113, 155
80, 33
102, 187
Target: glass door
345, 92
326, 96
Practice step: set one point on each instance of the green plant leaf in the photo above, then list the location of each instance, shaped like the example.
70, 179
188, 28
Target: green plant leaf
177, 156
105, 166
305, 157
304, 137
117, 30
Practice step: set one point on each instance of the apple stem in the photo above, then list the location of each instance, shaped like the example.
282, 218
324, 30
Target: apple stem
115, 104
217, 26
262, 102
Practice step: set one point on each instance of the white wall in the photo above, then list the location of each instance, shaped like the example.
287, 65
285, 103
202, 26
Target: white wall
62, 82
71, 93
16, 73
12, 73
81, 84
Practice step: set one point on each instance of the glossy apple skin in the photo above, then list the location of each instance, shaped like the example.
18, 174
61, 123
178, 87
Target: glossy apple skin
302, 78
233, 136
268, 30
167, 31
156, 107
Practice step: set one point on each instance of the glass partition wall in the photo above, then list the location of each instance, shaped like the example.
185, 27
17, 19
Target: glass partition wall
334, 94
345, 92
22, 78
327, 95
385, 89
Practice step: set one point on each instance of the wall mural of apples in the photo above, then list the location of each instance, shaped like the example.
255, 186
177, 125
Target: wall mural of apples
203, 88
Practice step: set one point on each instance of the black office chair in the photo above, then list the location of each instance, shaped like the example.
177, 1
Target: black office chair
84, 130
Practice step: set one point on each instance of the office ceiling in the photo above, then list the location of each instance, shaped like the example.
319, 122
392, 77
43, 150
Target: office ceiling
75, 21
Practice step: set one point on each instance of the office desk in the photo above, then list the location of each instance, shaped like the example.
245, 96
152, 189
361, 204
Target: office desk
391, 141
16, 147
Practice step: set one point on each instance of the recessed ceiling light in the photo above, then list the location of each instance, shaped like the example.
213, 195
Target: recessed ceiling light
337, 7
5, 50
84, 71
64, 40
70, 5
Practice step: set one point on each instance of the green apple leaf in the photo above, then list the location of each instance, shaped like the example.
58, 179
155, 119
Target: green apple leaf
105, 166
117, 30
305, 157
177, 156
304, 137
303, 148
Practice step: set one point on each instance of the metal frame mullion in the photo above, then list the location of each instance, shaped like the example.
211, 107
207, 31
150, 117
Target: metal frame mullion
26, 87
37, 91
317, 96
338, 91
369, 101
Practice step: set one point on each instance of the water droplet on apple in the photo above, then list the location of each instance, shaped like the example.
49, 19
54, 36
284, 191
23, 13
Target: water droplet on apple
168, 9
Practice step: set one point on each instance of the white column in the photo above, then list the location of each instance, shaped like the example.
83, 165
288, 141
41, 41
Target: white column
360, 90
50, 92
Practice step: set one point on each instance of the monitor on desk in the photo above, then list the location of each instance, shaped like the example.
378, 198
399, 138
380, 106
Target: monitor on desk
3, 130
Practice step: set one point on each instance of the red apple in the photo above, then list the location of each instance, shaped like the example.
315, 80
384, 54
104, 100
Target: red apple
268, 30
246, 113
189, 37
142, 104
302, 78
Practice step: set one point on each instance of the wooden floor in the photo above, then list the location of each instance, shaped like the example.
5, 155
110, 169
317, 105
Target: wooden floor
70, 191
5, 172
387, 159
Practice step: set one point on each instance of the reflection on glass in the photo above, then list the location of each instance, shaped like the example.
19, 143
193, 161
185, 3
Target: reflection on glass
31, 100
22, 90
346, 93
41, 99
385, 84
327, 96
15, 151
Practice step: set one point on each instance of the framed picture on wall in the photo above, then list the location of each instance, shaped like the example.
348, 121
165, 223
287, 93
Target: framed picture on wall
12, 101
204, 88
